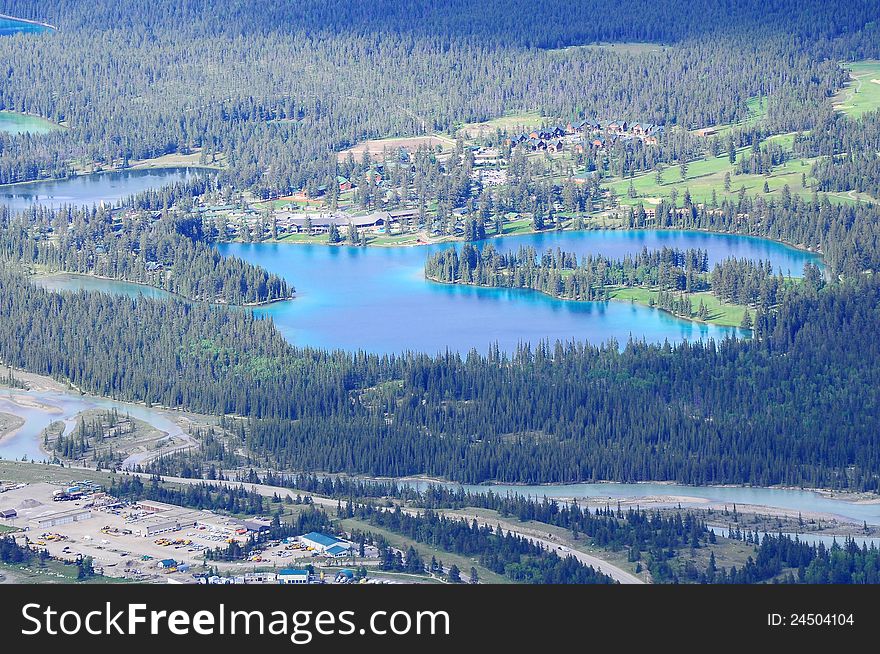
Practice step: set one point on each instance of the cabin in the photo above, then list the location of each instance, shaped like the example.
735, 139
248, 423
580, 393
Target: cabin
581, 179
555, 146
344, 183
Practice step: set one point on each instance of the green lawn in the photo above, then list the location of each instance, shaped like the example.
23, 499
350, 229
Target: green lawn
862, 94
510, 121
720, 313
704, 175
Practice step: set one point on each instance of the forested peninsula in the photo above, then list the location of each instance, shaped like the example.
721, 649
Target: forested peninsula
674, 280
141, 247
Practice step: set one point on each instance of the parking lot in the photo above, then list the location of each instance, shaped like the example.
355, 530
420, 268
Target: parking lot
130, 540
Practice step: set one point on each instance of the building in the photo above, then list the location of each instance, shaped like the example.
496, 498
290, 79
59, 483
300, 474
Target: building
292, 576
322, 542
8, 514
338, 550
63, 518
256, 527
166, 564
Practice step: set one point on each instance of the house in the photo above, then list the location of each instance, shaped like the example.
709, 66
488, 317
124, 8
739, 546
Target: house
618, 126
293, 576
8, 514
584, 177
555, 146
165, 564
344, 183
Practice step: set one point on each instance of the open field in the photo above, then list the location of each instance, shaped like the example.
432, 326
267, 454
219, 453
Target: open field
15, 123
862, 94
623, 48
720, 313
515, 121
376, 147
707, 174
403, 543
176, 160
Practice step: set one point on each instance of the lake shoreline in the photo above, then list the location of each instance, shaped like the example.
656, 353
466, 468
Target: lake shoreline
29, 22
452, 240
610, 299
178, 296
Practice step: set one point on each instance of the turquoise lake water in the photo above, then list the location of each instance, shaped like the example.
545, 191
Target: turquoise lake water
377, 299
88, 190
9, 26
14, 123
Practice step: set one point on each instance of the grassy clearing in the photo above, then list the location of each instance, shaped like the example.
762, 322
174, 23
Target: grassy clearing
862, 94
376, 147
720, 313
464, 563
757, 110
18, 471
625, 48
54, 572
514, 121
707, 174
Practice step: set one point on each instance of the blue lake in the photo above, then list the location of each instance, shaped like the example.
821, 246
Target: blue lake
88, 190
9, 26
377, 299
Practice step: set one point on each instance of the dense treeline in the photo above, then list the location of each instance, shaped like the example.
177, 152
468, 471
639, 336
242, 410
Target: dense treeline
232, 499
137, 246
742, 281
848, 236
561, 274
673, 273
510, 555
479, 418
849, 149
273, 89
785, 559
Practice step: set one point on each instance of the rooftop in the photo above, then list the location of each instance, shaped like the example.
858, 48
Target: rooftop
321, 539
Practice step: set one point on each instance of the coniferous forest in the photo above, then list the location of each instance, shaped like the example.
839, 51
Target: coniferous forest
271, 92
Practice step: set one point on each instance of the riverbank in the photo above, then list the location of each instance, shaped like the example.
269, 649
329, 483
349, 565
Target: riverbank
9, 425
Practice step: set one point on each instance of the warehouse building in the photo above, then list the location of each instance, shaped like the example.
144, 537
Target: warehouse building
323, 543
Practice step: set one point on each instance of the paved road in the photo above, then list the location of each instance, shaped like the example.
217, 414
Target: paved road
616, 573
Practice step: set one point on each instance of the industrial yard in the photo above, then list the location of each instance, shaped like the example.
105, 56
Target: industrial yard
151, 541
